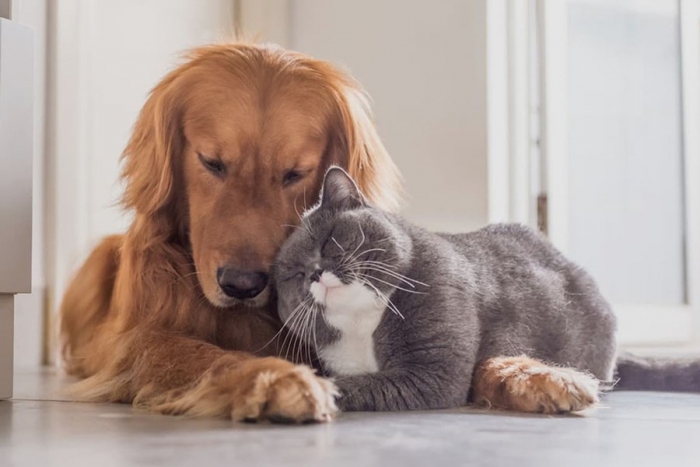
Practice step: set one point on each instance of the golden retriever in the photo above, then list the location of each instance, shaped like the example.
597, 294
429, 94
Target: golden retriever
228, 150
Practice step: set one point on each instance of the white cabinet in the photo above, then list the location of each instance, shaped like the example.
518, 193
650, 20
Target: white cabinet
16, 90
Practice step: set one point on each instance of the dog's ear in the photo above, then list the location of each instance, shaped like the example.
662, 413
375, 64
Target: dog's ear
150, 157
360, 150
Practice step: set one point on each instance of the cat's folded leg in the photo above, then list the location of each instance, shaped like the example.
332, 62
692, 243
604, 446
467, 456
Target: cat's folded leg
415, 389
527, 385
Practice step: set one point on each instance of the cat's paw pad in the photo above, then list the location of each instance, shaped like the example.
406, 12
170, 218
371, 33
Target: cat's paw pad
528, 385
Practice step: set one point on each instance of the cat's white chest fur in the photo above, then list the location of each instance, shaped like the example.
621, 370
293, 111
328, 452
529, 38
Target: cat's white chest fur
355, 311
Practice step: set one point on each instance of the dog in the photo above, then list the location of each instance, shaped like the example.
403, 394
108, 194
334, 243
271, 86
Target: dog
175, 315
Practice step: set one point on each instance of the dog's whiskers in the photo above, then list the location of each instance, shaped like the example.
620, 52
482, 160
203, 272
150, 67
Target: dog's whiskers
185, 276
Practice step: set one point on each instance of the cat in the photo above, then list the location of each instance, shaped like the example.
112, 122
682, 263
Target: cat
406, 319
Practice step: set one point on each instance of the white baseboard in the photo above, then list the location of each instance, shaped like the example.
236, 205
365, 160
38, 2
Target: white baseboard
29, 328
654, 325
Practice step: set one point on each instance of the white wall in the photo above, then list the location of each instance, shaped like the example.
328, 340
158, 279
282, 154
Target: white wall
424, 63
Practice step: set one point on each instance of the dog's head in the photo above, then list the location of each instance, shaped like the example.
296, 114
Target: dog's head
231, 148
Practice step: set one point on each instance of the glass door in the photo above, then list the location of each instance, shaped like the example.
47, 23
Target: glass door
619, 163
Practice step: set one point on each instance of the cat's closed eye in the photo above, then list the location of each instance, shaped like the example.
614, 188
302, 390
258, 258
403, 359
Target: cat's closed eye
296, 275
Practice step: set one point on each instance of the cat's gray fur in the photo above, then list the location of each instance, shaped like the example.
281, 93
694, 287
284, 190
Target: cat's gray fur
503, 290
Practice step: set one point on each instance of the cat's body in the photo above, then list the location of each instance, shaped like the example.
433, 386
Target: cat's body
500, 291
455, 300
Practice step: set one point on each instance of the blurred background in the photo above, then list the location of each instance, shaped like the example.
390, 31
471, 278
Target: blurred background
579, 117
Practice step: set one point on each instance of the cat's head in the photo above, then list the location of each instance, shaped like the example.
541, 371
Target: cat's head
345, 254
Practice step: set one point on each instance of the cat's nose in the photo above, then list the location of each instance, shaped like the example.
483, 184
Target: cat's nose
316, 275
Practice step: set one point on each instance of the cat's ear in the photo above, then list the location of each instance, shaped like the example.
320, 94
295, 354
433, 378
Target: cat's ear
340, 191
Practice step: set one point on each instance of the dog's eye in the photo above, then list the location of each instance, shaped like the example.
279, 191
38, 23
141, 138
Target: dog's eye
291, 177
214, 166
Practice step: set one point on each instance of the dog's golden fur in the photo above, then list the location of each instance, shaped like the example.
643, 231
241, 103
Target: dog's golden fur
144, 320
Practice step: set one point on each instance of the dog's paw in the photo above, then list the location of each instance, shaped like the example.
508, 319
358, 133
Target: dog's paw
528, 385
258, 389
290, 395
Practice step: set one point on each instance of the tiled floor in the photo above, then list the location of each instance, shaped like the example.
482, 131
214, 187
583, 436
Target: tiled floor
633, 429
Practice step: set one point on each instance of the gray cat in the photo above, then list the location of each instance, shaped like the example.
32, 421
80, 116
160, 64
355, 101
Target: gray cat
402, 317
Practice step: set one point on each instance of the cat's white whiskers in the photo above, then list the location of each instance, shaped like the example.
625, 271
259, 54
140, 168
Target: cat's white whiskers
388, 267
311, 329
284, 325
291, 323
361, 242
317, 308
357, 257
389, 304
390, 273
291, 336
397, 274
387, 301
336, 242
306, 332
305, 329
398, 287
277, 334
383, 268
383, 297
379, 263
344, 256
295, 340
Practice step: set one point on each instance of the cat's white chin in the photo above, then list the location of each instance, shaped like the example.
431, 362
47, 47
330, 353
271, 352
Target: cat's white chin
355, 311
327, 284
339, 298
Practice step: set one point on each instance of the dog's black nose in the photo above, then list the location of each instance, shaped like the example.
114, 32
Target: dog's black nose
241, 284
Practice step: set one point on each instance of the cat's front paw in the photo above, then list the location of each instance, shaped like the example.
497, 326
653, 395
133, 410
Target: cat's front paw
528, 385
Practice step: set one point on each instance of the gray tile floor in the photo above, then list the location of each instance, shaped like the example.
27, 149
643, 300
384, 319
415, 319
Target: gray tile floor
632, 429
